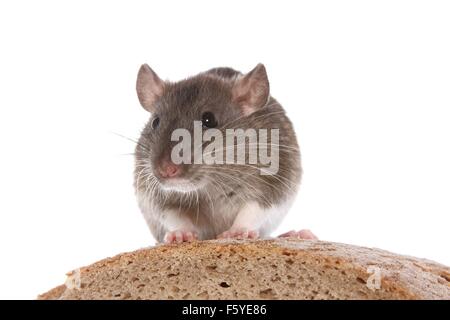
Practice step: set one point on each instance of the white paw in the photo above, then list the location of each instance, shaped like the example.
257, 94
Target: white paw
179, 236
302, 234
239, 233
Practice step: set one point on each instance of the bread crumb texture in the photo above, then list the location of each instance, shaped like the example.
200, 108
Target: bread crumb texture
257, 269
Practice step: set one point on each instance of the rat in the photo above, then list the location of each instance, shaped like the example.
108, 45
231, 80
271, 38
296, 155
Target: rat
185, 201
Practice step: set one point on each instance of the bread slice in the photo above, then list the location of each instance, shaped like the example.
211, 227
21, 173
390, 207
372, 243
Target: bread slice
257, 269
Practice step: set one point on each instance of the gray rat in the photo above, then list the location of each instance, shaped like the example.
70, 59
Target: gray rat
187, 201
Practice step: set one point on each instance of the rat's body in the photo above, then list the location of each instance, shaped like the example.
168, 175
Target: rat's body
187, 201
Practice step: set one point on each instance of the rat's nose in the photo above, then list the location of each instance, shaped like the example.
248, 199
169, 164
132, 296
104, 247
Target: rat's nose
169, 170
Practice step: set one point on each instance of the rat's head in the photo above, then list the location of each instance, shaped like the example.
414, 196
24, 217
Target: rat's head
214, 99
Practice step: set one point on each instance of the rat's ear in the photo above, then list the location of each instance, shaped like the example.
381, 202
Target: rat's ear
251, 91
149, 87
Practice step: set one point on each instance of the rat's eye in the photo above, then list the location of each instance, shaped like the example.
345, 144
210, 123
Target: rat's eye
155, 123
208, 120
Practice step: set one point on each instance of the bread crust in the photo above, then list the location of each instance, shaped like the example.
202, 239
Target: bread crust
340, 271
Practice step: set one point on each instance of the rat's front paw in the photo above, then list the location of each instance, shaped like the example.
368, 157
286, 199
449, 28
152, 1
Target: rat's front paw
179, 236
302, 234
240, 233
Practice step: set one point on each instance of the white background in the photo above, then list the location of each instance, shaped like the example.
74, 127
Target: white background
365, 82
